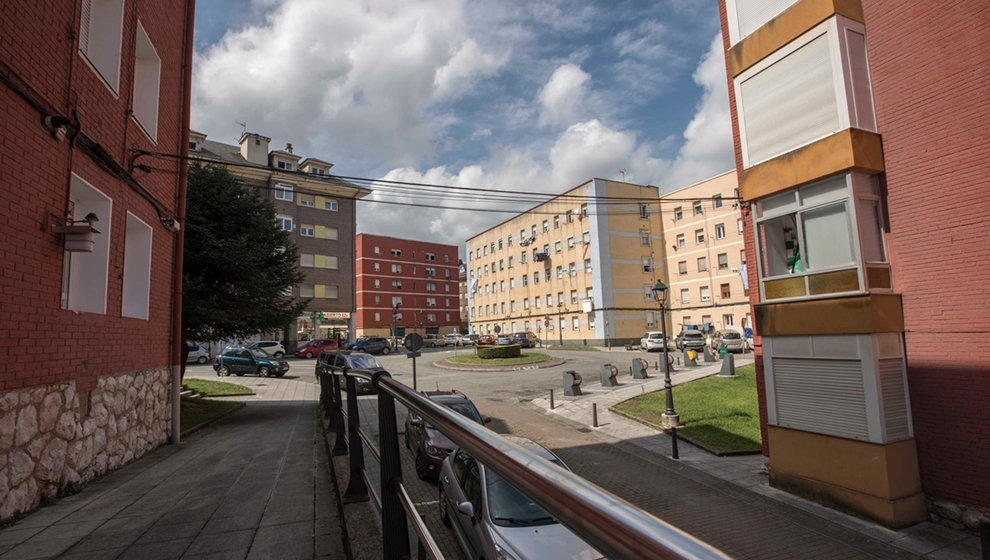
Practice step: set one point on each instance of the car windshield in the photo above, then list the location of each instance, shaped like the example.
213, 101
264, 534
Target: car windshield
655, 336
693, 335
731, 336
363, 361
509, 507
258, 353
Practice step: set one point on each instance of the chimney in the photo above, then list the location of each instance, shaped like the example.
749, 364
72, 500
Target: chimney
254, 148
288, 148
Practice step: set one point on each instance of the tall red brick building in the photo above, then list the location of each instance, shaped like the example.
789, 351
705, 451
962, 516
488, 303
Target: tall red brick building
861, 133
420, 276
89, 293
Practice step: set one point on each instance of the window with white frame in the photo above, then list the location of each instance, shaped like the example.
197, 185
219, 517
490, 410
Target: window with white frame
717, 201
705, 293
556, 246
699, 236
817, 84
147, 79
286, 165
331, 292
307, 260
570, 242
746, 16
396, 268
678, 214
397, 284
644, 238
330, 205
284, 222
306, 290
331, 233
586, 237
574, 296
648, 292
723, 261
378, 283
431, 257
378, 250
739, 223
377, 267
682, 267
680, 241
546, 226
560, 272
685, 295
647, 264
307, 200
307, 230
644, 210
137, 268
587, 266
283, 192
702, 264
576, 323
719, 231
378, 316
101, 28
396, 253
651, 318
697, 208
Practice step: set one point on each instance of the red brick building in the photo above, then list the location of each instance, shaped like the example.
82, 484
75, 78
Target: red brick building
420, 276
92, 248
861, 132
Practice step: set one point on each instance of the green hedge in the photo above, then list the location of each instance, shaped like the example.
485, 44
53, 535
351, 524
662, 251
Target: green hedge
502, 351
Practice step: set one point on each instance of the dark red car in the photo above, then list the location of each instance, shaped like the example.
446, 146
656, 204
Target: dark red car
485, 339
314, 347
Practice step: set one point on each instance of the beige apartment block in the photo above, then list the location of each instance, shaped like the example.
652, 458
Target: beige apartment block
576, 268
706, 259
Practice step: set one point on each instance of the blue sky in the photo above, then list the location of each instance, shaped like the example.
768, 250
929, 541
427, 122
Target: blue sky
525, 95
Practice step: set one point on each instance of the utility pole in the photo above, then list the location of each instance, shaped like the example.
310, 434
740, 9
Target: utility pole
395, 317
560, 319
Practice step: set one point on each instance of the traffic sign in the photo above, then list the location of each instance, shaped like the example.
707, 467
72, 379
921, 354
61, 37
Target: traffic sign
413, 342
498, 329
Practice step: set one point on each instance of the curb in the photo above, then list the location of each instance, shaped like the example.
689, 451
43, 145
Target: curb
444, 364
214, 420
692, 441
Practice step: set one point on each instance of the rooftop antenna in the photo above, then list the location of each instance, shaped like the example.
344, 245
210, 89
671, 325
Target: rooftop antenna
623, 173
243, 126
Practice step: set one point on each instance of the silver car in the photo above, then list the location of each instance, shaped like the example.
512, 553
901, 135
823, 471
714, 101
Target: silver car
494, 520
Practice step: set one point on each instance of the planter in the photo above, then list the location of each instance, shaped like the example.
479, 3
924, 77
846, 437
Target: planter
502, 351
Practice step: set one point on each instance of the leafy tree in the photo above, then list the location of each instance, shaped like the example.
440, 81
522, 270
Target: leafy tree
239, 266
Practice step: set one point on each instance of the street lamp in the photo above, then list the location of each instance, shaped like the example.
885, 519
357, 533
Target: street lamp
560, 319
670, 418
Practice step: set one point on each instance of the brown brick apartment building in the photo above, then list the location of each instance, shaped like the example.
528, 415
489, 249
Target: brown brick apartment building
92, 245
421, 276
861, 132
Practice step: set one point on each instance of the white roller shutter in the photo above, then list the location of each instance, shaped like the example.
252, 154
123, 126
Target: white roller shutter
821, 396
894, 402
752, 14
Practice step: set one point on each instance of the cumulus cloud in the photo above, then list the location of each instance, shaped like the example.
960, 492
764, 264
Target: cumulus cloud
562, 97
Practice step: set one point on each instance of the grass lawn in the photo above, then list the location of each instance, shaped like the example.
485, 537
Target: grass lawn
194, 412
474, 360
575, 347
216, 388
721, 414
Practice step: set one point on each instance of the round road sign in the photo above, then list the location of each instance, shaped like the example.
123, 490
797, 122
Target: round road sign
413, 342
498, 329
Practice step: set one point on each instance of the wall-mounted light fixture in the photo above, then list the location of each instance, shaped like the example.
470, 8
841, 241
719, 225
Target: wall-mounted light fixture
78, 234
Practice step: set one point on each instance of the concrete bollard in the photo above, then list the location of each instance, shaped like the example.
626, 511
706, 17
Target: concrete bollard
639, 369
709, 357
572, 383
688, 361
728, 366
669, 364
608, 374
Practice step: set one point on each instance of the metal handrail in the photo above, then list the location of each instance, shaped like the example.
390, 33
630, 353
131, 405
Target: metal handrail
612, 525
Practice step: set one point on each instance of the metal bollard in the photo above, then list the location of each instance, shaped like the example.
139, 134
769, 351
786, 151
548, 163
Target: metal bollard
551, 399
608, 375
639, 369
594, 414
572, 383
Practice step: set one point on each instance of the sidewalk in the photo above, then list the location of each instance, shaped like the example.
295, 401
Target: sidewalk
927, 540
255, 485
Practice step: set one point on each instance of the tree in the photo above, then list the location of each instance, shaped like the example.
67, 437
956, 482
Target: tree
239, 266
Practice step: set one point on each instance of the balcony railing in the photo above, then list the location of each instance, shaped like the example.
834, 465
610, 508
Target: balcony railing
613, 526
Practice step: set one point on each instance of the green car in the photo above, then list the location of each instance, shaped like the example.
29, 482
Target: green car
245, 360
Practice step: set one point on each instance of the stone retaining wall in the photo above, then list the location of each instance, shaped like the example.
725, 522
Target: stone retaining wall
52, 437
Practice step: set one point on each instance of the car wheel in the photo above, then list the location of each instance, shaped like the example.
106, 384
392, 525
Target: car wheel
201, 360
223, 371
309, 354
279, 354
442, 503
386, 350
264, 371
421, 470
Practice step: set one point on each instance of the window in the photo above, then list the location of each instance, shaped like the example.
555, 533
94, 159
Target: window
100, 33
396, 268
147, 77
431, 302
556, 222
647, 264
719, 231
572, 268
522, 257
307, 260
644, 210
742, 256
430, 287
378, 316
569, 216
396, 253
284, 222
306, 291
286, 165
396, 284
699, 236
536, 278
378, 300
431, 317
648, 292
546, 227
511, 282
560, 298
446, 259
549, 275
510, 266
705, 293
574, 298
589, 293
651, 318
525, 280
378, 250
697, 208
739, 223
728, 320
678, 214
526, 303
307, 200
306, 230
682, 267
283, 192
576, 323
560, 272
702, 264
137, 268
330, 292
685, 296
726, 291
556, 246
586, 237
378, 283
723, 261
508, 241
717, 201
499, 243
680, 241
644, 238
536, 303
570, 242
501, 264
587, 266
584, 210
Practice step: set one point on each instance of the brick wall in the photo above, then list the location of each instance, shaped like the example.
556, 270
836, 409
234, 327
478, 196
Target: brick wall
929, 63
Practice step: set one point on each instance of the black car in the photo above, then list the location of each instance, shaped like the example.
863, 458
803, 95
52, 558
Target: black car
351, 360
247, 360
694, 340
429, 446
372, 345
525, 339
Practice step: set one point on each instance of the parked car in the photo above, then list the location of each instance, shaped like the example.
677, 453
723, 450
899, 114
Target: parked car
652, 340
197, 353
314, 347
731, 338
525, 339
503, 339
372, 345
430, 446
270, 347
485, 339
491, 519
239, 361
432, 340
452, 340
694, 340
351, 360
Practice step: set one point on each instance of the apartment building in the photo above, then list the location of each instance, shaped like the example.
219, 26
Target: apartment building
419, 276
92, 245
317, 210
855, 126
462, 287
577, 268
706, 262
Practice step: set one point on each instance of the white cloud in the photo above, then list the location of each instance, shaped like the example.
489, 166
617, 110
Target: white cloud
562, 97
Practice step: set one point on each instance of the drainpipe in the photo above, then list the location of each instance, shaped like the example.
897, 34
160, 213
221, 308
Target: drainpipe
180, 214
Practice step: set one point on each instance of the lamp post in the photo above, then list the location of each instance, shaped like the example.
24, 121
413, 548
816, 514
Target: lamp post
560, 319
670, 417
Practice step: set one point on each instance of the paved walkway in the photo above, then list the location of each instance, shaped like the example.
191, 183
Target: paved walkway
255, 485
